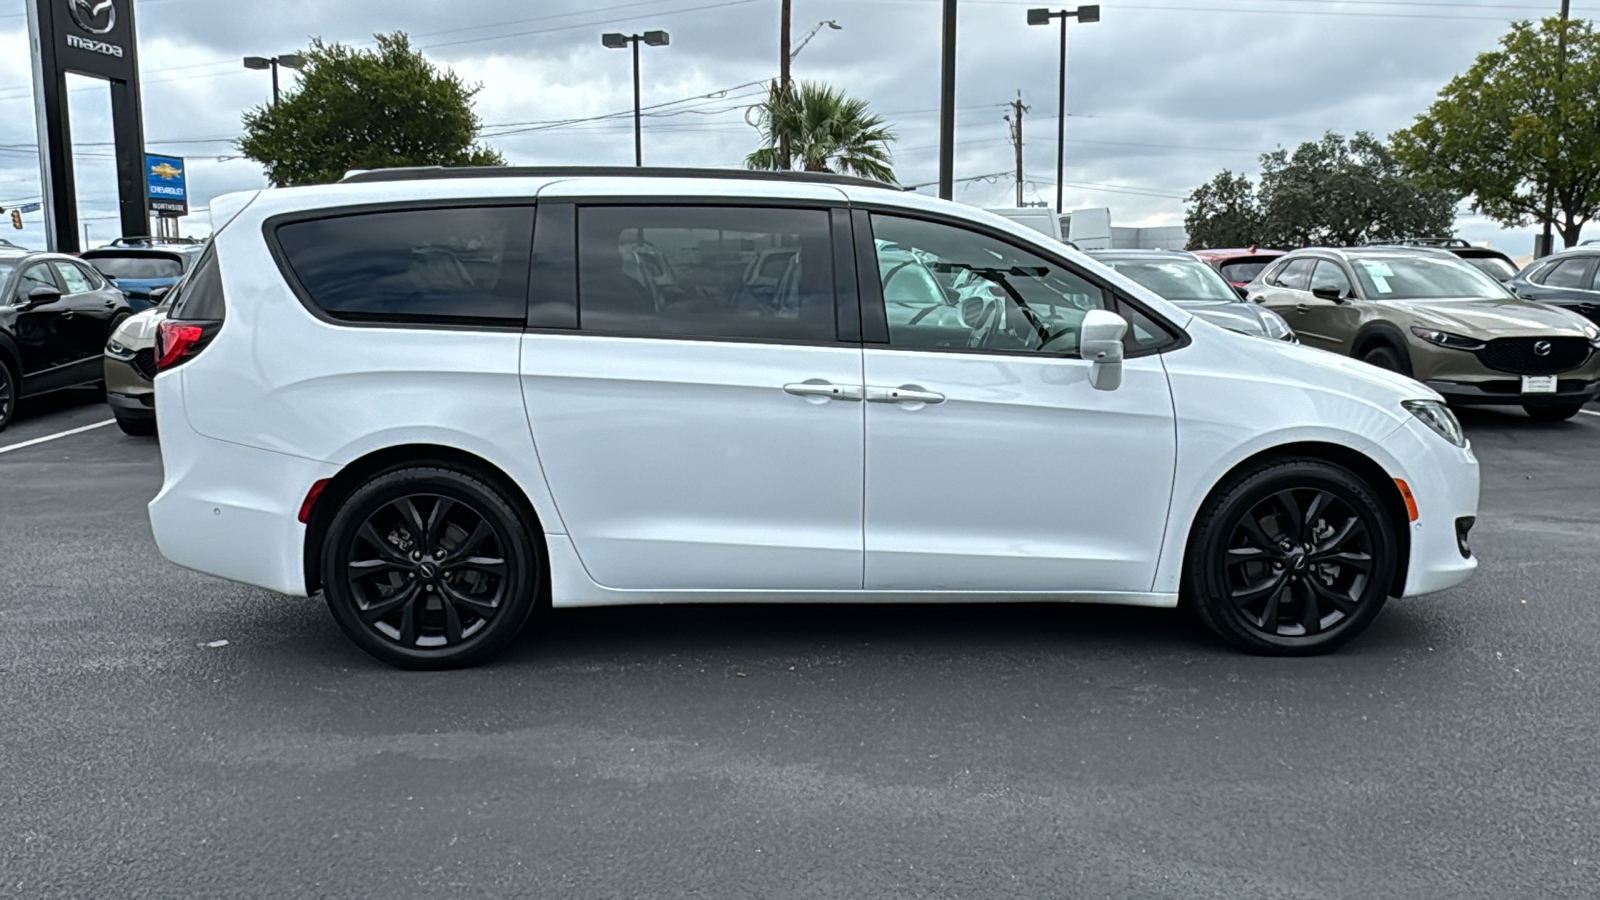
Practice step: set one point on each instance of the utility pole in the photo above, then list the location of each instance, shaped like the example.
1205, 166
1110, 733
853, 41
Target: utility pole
785, 10
1546, 243
947, 104
1015, 118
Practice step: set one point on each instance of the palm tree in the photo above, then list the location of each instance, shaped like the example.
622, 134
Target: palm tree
828, 131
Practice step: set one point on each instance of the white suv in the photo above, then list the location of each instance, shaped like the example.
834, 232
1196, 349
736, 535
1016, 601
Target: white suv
447, 398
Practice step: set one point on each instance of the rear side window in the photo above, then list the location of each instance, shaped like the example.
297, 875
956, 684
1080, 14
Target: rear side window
1295, 275
461, 265
151, 267
1569, 273
1242, 271
698, 271
76, 280
200, 294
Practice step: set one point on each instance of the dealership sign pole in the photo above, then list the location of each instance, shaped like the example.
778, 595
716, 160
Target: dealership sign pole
94, 38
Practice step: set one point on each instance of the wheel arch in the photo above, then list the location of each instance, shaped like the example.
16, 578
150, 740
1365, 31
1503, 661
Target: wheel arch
11, 357
1357, 463
363, 469
1378, 334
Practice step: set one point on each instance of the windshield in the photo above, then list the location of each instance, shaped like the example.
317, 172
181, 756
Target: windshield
1242, 271
138, 266
1424, 278
1178, 280
1493, 266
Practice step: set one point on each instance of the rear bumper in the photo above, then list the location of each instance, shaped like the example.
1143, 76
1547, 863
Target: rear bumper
229, 510
1509, 391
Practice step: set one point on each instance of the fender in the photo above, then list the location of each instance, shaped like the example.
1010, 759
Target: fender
1377, 333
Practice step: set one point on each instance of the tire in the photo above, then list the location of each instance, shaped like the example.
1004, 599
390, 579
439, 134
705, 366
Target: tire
1552, 412
437, 602
1386, 357
1235, 577
9, 389
138, 427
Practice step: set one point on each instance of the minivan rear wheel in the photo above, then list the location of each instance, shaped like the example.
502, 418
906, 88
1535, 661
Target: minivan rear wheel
430, 568
1291, 558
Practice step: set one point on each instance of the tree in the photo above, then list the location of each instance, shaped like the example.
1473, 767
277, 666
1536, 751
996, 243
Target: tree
1332, 192
827, 131
366, 109
1223, 213
1519, 130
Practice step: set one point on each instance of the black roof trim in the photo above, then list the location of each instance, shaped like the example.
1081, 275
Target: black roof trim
424, 173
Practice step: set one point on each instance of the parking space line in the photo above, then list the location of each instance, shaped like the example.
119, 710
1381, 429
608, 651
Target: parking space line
60, 434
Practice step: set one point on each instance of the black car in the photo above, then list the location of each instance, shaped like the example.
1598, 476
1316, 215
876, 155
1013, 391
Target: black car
143, 266
1569, 279
56, 313
1491, 262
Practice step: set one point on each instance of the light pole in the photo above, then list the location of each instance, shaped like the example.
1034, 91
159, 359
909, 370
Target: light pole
1084, 14
616, 40
287, 60
947, 101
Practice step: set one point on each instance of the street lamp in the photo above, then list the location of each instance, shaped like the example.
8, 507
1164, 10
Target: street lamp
287, 60
1086, 15
616, 41
826, 23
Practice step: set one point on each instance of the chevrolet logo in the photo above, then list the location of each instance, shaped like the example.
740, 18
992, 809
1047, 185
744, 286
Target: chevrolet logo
167, 171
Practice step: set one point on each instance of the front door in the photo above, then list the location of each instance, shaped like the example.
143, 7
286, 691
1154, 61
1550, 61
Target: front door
88, 313
702, 428
42, 332
1329, 324
992, 465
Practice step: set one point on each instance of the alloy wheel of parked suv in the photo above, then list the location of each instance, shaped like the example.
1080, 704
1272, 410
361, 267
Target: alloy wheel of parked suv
1294, 558
429, 568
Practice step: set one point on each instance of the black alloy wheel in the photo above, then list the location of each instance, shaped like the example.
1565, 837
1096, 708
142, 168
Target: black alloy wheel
8, 396
429, 568
1296, 557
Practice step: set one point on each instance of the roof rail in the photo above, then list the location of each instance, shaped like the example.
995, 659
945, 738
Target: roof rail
149, 241
425, 173
1447, 242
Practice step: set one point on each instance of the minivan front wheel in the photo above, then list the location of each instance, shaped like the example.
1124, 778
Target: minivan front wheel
1293, 557
429, 568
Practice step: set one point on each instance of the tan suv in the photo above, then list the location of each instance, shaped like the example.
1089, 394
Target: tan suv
1427, 314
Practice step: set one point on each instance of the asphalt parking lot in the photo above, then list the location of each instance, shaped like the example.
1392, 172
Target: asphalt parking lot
1062, 752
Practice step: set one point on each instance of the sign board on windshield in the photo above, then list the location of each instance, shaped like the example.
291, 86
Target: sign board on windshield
169, 190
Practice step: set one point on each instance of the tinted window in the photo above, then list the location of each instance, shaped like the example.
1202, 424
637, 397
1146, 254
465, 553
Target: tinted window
35, 277
143, 268
1329, 274
1493, 266
75, 280
1242, 271
695, 271
427, 265
1568, 273
1295, 275
1178, 280
949, 288
199, 296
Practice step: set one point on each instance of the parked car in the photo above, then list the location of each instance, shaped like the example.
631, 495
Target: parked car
143, 266
439, 395
1491, 262
55, 314
130, 370
1239, 267
1425, 313
1183, 279
1569, 279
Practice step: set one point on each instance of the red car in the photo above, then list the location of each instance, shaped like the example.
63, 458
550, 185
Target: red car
1240, 267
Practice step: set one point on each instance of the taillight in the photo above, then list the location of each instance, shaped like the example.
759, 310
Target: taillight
175, 341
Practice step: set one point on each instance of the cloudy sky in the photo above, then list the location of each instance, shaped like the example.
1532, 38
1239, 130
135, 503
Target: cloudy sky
1162, 94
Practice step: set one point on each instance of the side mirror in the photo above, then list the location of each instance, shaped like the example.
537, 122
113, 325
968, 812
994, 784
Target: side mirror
1100, 342
39, 296
1328, 292
1240, 290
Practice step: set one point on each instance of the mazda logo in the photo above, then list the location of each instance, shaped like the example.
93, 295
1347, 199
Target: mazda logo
94, 16
1542, 348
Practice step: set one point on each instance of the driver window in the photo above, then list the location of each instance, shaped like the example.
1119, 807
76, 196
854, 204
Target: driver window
33, 278
946, 288
1328, 274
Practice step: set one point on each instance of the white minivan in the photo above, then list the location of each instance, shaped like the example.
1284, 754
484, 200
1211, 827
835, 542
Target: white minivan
450, 398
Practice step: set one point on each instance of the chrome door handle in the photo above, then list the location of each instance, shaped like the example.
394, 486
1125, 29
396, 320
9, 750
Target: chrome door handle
905, 394
824, 389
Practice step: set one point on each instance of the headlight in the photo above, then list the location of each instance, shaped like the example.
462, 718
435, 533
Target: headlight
1446, 339
1592, 332
117, 349
1275, 326
1437, 416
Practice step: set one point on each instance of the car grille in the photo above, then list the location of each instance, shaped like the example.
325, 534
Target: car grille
1517, 355
145, 362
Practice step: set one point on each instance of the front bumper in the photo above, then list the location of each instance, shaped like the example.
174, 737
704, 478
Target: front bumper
1444, 480
1508, 390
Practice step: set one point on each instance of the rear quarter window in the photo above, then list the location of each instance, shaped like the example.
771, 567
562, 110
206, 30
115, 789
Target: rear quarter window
465, 265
